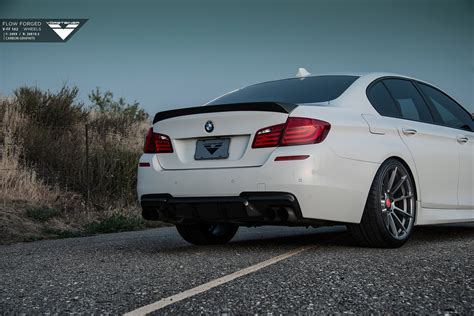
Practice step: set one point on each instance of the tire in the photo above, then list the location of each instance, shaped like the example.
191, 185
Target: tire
207, 234
390, 210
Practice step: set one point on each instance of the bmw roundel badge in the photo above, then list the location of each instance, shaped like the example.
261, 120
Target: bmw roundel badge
209, 126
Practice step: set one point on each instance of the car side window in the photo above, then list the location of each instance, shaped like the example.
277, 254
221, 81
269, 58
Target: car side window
411, 103
382, 101
450, 112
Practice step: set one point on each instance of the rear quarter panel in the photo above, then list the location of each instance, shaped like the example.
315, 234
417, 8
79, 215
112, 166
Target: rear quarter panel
350, 138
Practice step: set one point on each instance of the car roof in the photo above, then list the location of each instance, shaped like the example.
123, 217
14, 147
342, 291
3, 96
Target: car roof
364, 79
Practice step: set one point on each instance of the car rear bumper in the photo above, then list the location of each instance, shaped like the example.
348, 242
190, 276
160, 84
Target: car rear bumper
325, 186
251, 208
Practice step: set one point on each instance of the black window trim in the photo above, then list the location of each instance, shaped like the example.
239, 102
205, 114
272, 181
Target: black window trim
428, 105
397, 105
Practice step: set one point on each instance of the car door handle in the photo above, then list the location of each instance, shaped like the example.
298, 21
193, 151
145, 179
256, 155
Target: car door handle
409, 131
462, 139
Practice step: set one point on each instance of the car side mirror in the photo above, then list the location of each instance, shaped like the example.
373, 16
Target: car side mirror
472, 116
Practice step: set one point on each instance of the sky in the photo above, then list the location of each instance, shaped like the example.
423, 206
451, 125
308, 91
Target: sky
170, 54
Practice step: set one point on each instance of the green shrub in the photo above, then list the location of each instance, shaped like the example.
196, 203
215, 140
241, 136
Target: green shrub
41, 214
114, 223
62, 233
53, 141
114, 116
32, 238
50, 109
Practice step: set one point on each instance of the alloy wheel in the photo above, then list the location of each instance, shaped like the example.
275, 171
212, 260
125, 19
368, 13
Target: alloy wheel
397, 201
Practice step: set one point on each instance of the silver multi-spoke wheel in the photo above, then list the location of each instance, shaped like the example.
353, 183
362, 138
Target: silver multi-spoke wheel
390, 211
397, 202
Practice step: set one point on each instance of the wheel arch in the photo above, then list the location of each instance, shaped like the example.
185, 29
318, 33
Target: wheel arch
371, 231
414, 178
407, 166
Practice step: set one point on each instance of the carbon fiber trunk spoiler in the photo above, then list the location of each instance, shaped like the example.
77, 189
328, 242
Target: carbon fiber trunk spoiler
255, 106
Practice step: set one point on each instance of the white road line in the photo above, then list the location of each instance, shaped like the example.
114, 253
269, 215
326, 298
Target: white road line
212, 284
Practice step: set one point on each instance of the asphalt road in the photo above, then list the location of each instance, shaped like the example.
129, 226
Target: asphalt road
117, 273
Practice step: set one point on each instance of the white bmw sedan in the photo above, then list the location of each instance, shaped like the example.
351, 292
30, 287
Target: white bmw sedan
379, 153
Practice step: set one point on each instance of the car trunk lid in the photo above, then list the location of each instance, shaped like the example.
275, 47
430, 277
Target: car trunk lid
228, 144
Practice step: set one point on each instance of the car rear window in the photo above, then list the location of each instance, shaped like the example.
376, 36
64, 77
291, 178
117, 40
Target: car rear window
296, 90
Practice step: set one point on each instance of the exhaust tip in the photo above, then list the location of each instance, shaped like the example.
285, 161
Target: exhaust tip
270, 214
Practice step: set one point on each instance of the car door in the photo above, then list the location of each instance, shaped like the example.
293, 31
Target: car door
466, 174
434, 149
454, 117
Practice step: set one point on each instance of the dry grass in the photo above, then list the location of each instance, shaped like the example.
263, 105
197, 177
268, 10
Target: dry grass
20, 187
32, 206
18, 182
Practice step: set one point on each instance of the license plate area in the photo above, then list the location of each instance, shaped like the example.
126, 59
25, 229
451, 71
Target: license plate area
216, 148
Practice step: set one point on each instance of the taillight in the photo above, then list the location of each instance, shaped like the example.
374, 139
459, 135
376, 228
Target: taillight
268, 136
296, 131
302, 131
156, 143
